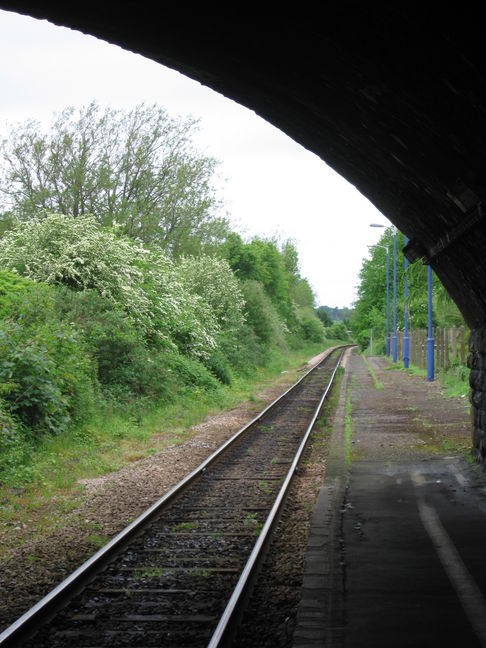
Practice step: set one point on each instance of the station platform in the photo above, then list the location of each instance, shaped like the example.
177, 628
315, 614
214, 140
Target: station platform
397, 550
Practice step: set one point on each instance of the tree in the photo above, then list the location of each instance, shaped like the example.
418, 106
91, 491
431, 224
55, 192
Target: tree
138, 168
370, 310
322, 314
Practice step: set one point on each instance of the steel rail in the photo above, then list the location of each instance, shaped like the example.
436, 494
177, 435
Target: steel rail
46, 608
224, 626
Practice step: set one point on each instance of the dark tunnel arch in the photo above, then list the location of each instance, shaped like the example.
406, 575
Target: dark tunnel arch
392, 96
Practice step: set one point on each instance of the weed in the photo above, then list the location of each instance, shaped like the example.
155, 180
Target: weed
150, 572
98, 540
264, 427
185, 526
198, 572
265, 487
376, 382
251, 521
348, 429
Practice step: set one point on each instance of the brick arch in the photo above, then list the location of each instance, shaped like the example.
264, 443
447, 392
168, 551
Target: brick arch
393, 97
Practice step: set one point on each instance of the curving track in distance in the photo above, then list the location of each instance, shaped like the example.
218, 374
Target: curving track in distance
180, 573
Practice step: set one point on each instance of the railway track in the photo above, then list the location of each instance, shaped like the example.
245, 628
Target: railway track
179, 574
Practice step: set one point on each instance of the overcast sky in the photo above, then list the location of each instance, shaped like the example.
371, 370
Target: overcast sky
270, 184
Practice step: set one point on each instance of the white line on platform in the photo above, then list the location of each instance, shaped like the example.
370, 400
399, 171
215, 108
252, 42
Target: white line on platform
461, 480
465, 586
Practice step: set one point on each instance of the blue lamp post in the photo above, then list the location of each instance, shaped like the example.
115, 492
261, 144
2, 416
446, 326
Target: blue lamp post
387, 300
405, 337
430, 339
394, 338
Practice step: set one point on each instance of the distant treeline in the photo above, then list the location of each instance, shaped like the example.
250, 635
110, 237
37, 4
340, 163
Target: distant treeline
329, 314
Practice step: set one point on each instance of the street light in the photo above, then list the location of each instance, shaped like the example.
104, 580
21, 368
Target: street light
387, 296
430, 339
405, 337
394, 341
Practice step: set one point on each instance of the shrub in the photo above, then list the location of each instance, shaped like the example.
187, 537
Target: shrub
262, 316
242, 349
77, 253
11, 286
218, 365
30, 383
190, 372
15, 448
337, 331
82, 255
213, 280
46, 377
363, 339
311, 326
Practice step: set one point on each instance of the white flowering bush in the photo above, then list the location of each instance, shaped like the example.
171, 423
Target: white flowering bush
81, 254
178, 312
78, 253
214, 280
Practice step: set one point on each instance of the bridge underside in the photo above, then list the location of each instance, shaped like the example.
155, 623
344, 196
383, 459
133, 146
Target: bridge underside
393, 97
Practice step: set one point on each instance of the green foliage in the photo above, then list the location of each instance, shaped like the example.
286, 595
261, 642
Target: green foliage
190, 372
262, 316
44, 375
337, 331
370, 308
302, 294
243, 350
11, 286
80, 254
127, 367
335, 314
323, 315
312, 328
117, 298
219, 366
214, 281
15, 448
137, 168
260, 260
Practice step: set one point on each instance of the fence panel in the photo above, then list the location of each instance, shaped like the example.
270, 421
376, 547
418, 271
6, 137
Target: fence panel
449, 346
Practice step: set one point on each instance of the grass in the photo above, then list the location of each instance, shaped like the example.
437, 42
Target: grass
348, 430
377, 384
454, 381
323, 426
98, 540
264, 427
50, 495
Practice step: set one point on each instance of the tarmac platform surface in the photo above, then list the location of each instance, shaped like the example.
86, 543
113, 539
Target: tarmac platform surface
397, 550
